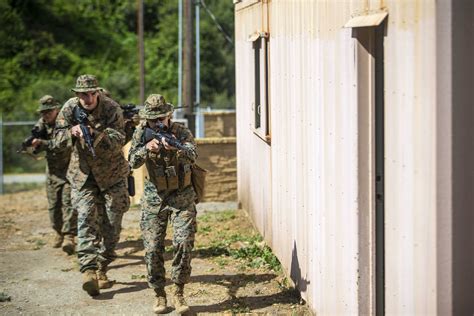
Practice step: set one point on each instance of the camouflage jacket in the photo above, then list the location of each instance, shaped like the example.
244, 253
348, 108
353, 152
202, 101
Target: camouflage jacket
57, 158
109, 166
164, 158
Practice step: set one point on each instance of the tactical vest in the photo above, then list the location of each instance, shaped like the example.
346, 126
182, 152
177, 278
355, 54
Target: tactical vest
167, 169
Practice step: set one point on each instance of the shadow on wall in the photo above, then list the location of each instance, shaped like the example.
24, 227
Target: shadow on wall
295, 271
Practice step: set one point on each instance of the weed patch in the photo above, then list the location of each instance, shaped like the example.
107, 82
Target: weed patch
22, 187
37, 243
222, 237
4, 297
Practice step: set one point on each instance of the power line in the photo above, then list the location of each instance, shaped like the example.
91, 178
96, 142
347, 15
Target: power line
227, 37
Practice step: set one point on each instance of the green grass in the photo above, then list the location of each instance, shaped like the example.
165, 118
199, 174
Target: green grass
222, 216
4, 297
21, 187
37, 243
247, 247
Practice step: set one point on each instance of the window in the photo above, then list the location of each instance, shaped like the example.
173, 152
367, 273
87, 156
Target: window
260, 102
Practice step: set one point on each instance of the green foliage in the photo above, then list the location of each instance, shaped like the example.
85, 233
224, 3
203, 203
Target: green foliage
36, 242
46, 44
21, 187
4, 297
257, 256
138, 276
226, 244
221, 216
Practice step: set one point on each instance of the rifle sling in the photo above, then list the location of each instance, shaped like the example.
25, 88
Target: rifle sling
98, 139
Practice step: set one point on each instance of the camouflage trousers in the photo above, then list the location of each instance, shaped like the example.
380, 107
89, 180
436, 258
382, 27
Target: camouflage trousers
157, 208
99, 222
61, 214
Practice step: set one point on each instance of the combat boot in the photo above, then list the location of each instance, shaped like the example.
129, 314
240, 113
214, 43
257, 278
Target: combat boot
178, 299
89, 282
69, 245
160, 303
58, 240
102, 279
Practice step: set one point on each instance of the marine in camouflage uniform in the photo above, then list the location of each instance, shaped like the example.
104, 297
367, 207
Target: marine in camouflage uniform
62, 216
129, 122
168, 196
98, 183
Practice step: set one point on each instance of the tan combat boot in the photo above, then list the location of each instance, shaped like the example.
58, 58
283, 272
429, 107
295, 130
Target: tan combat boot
58, 240
102, 279
160, 303
69, 245
178, 299
89, 282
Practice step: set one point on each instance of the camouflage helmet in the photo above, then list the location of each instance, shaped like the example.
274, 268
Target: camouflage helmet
86, 83
155, 107
47, 103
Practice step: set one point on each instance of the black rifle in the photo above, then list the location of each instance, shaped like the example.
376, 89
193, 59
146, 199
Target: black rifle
161, 133
129, 110
80, 116
36, 132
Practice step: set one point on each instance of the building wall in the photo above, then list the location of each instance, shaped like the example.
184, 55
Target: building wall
254, 156
410, 109
306, 200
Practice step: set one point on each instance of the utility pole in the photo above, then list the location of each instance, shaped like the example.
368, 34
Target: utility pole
180, 55
1, 153
187, 64
199, 121
141, 51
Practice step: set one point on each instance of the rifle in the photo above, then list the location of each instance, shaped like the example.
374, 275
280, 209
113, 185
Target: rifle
162, 132
36, 132
80, 116
129, 110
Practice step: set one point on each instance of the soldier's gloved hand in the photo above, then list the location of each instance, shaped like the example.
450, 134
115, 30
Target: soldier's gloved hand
76, 131
35, 143
166, 145
153, 145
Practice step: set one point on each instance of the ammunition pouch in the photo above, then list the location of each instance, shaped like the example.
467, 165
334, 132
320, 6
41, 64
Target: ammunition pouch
172, 178
161, 183
169, 179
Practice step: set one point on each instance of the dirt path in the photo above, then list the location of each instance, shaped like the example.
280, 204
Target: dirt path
232, 270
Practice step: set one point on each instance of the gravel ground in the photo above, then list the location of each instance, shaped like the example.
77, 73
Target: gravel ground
36, 279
